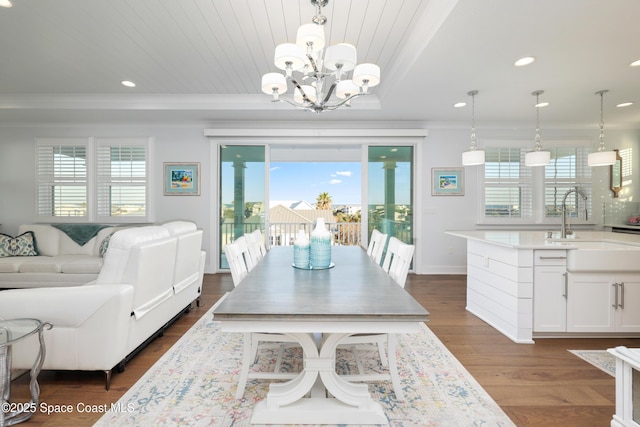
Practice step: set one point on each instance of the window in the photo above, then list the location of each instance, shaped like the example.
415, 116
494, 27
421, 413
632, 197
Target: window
514, 193
87, 179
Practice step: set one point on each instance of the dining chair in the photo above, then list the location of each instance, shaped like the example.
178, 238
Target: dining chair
257, 249
243, 245
236, 253
396, 264
236, 262
376, 246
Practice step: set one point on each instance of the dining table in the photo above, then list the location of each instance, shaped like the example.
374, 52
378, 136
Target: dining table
353, 296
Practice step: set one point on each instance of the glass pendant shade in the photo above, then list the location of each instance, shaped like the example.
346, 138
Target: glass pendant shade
473, 157
601, 158
310, 35
289, 52
274, 82
342, 53
346, 88
369, 73
537, 158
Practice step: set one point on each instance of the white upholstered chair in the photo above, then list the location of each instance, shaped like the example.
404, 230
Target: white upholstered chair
239, 270
376, 246
396, 263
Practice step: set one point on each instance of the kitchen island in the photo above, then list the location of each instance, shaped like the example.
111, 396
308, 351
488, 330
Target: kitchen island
528, 286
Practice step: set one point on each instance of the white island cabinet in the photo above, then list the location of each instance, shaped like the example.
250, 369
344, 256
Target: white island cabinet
517, 281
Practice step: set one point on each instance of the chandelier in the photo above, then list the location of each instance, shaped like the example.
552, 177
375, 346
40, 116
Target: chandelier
319, 76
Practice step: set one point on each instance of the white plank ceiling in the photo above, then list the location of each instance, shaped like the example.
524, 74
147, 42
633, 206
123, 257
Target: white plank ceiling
202, 60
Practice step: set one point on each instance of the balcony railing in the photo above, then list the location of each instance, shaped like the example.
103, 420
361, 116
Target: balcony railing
284, 234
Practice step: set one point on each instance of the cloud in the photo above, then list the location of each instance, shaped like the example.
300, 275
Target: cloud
335, 181
343, 173
275, 168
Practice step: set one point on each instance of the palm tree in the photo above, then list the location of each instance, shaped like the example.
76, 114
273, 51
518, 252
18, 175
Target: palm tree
324, 202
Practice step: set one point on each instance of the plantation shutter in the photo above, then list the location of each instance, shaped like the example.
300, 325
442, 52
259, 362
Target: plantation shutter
121, 178
62, 185
568, 169
507, 184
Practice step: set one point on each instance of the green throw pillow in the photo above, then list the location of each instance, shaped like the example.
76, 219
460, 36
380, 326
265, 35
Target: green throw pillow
104, 245
22, 245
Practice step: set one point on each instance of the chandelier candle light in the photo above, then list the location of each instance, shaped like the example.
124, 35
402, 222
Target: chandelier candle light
473, 156
318, 73
537, 157
601, 157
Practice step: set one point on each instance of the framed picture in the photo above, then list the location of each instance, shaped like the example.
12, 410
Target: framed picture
447, 181
182, 179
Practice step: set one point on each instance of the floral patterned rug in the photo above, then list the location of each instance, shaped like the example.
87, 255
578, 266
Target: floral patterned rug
601, 359
194, 383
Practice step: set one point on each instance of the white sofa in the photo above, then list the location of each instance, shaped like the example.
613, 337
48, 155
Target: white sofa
151, 274
61, 261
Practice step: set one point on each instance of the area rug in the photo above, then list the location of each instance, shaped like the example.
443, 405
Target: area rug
601, 359
194, 383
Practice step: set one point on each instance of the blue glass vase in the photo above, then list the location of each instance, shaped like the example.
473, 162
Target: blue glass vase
301, 251
320, 251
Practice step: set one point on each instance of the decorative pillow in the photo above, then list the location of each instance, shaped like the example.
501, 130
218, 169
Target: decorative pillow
104, 245
22, 245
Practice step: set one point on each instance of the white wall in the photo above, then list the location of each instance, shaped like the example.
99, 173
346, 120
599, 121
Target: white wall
440, 254
171, 144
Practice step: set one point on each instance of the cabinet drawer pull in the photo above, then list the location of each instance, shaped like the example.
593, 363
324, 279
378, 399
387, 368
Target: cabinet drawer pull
621, 295
566, 284
615, 299
553, 257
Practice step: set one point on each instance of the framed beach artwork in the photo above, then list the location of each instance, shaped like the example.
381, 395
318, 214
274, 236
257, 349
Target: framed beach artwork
447, 181
182, 179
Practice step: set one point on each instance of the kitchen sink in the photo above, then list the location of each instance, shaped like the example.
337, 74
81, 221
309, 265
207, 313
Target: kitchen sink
599, 256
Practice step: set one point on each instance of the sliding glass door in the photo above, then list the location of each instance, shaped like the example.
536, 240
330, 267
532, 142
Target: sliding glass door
390, 191
242, 193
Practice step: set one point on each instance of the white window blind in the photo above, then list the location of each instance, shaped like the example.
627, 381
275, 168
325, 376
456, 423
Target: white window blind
507, 184
121, 178
568, 169
515, 193
89, 179
62, 178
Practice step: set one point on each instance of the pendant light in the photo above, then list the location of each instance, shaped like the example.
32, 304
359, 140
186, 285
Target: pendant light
473, 156
601, 157
537, 157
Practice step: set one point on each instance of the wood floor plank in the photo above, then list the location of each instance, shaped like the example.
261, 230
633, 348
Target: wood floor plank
539, 384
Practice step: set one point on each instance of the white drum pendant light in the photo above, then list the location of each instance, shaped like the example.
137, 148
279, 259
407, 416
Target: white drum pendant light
537, 157
601, 157
473, 156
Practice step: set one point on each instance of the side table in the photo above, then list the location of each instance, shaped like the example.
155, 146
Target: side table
11, 332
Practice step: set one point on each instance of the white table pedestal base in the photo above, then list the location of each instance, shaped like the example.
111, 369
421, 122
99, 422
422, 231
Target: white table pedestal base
318, 395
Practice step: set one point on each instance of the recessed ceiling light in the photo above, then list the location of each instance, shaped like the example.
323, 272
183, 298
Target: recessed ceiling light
5, 3
128, 83
624, 104
524, 61
541, 104
460, 104
635, 63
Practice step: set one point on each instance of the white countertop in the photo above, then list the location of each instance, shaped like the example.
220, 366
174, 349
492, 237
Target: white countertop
537, 239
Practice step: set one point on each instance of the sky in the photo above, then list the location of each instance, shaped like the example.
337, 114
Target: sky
305, 181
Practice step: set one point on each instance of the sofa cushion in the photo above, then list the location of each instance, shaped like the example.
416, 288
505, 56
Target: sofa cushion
22, 245
47, 238
82, 265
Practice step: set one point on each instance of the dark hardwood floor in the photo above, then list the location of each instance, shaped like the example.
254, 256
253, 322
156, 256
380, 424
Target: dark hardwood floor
536, 385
